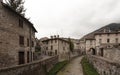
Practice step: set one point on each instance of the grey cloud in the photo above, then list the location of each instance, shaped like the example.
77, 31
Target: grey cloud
71, 18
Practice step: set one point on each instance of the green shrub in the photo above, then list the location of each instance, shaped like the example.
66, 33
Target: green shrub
88, 69
57, 68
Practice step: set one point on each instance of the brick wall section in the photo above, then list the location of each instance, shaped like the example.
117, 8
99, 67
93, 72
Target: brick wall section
105, 66
34, 68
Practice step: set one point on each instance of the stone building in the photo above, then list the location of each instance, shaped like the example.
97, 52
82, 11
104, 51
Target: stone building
17, 37
42, 45
107, 39
103, 49
57, 46
76, 43
106, 55
82, 46
89, 44
76, 46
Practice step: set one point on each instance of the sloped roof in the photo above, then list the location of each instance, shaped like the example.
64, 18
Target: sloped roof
55, 39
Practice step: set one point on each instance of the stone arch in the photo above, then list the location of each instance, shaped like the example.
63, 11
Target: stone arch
104, 73
93, 51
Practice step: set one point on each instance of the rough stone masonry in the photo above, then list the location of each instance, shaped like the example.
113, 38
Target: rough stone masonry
35, 68
17, 38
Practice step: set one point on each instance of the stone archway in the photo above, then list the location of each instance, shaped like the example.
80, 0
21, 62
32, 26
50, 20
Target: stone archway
93, 51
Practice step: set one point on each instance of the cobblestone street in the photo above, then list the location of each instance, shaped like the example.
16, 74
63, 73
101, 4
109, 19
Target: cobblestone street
73, 68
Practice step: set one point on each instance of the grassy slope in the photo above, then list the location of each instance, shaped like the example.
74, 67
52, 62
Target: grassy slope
57, 67
88, 68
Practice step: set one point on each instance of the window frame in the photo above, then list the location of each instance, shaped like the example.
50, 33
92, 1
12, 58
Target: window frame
108, 40
28, 42
21, 40
20, 23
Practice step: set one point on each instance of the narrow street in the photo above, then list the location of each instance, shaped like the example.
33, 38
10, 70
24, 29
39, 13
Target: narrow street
73, 68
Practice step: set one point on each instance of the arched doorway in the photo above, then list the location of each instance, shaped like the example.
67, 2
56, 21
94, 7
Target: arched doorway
93, 51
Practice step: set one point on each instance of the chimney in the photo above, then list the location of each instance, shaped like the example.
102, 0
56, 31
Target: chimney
54, 36
57, 36
51, 37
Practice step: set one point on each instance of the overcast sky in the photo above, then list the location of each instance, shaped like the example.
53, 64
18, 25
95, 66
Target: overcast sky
71, 18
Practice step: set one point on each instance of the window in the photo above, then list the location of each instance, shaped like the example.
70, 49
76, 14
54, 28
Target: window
34, 57
108, 40
55, 41
102, 52
108, 34
47, 42
32, 44
51, 53
21, 57
51, 47
27, 42
21, 40
20, 23
51, 41
116, 40
55, 52
90, 42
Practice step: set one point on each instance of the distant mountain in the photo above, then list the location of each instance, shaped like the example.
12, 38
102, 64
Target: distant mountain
113, 27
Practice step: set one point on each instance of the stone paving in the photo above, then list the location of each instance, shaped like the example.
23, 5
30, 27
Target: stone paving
73, 68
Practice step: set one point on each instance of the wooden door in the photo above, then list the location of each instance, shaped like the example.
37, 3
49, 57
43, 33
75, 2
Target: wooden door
21, 58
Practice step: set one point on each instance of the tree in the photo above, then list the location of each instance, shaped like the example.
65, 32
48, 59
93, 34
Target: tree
71, 45
17, 5
37, 49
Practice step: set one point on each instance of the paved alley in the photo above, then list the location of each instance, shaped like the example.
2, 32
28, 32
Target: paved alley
73, 68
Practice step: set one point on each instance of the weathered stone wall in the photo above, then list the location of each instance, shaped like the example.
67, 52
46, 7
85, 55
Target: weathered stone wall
90, 43
105, 66
63, 50
109, 53
104, 38
59, 46
112, 54
34, 68
9, 37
